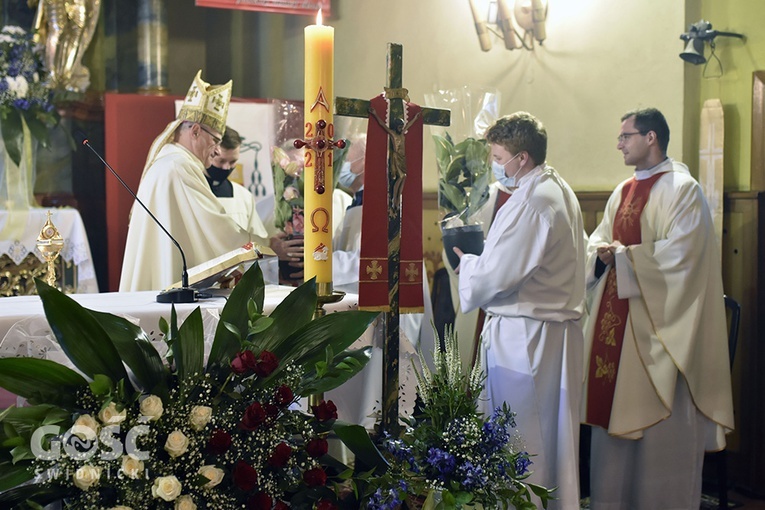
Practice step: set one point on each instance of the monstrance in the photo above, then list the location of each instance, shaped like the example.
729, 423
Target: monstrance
50, 243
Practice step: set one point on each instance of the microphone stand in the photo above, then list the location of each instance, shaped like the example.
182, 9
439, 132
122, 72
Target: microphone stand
185, 294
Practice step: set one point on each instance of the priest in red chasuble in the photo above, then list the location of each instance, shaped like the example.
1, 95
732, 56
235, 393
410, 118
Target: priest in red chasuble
658, 388
530, 282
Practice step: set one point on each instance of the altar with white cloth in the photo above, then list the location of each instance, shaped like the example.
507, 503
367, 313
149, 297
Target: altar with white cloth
21, 261
24, 331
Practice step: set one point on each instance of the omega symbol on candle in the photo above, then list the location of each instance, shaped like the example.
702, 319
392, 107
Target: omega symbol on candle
326, 220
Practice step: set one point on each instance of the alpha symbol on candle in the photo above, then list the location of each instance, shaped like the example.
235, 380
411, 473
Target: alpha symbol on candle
321, 99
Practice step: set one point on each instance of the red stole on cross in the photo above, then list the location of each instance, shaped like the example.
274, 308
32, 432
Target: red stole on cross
373, 267
613, 312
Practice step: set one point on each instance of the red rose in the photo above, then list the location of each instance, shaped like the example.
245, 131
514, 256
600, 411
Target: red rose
325, 411
260, 501
245, 476
254, 417
243, 362
280, 455
326, 504
284, 396
317, 447
271, 410
266, 364
220, 441
281, 505
315, 477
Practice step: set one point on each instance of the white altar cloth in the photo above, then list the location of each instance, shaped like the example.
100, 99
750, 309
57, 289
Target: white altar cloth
76, 247
24, 331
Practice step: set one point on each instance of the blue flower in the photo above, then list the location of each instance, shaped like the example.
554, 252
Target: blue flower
473, 476
443, 462
522, 463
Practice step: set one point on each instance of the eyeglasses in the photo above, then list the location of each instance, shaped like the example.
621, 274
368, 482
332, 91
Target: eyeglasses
216, 139
625, 136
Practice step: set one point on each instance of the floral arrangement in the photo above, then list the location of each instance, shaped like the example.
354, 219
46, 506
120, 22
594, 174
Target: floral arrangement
451, 452
26, 101
288, 189
133, 430
289, 183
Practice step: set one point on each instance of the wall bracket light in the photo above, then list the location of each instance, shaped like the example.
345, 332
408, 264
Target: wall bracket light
518, 26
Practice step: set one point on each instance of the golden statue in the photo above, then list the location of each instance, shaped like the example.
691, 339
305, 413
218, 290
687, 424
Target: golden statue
66, 28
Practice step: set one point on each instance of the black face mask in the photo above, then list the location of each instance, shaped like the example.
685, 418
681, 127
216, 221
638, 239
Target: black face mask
218, 174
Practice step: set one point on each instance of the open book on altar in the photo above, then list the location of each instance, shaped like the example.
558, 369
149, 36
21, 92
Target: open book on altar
225, 270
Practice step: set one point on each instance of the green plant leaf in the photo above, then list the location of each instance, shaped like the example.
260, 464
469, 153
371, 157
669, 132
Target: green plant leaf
295, 311
135, 349
40, 380
12, 475
12, 134
101, 385
189, 348
38, 493
338, 330
235, 312
356, 438
38, 128
342, 368
80, 335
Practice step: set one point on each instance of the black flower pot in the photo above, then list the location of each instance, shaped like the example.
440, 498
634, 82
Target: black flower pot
468, 238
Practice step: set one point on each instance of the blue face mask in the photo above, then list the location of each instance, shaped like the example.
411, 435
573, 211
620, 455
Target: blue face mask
499, 173
346, 178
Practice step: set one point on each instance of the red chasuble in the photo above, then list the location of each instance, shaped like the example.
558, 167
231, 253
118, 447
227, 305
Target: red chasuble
373, 267
613, 312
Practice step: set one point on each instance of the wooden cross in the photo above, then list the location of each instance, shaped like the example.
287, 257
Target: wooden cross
360, 108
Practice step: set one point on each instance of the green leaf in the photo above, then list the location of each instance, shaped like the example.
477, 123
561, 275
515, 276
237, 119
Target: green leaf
12, 475
135, 348
356, 438
294, 312
40, 380
38, 128
80, 335
12, 131
338, 330
250, 288
189, 349
38, 493
346, 365
101, 385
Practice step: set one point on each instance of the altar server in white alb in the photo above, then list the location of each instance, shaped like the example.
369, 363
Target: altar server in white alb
658, 388
530, 281
173, 186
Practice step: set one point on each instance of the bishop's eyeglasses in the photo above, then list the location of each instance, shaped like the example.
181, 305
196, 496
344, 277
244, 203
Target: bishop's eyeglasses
216, 139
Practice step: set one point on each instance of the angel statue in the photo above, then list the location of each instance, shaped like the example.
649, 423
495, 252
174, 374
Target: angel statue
66, 28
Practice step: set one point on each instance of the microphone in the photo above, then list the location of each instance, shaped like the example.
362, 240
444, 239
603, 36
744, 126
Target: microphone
185, 294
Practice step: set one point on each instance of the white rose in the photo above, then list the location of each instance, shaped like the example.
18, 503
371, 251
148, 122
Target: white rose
185, 503
18, 85
120, 507
200, 417
166, 487
151, 407
132, 467
86, 476
213, 474
86, 427
177, 444
110, 415
290, 193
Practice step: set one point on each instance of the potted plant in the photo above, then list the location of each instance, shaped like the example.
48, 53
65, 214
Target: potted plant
463, 188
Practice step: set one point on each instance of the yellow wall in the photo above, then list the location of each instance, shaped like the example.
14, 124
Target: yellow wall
734, 87
601, 58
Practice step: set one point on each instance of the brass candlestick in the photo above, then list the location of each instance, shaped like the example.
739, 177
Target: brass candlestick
50, 243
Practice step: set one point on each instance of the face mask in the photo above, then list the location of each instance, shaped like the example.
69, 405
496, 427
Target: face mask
218, 174
346, 177
499, 173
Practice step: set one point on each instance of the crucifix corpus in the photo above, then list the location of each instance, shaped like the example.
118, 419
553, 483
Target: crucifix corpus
392, 203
